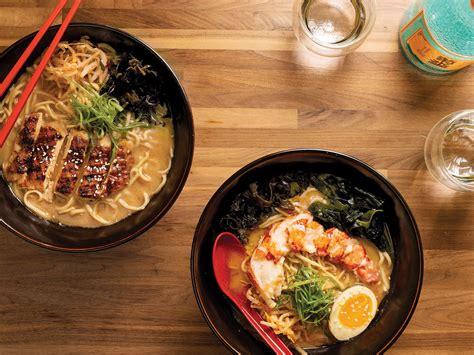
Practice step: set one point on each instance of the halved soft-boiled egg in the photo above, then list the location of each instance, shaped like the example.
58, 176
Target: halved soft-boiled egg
352, 312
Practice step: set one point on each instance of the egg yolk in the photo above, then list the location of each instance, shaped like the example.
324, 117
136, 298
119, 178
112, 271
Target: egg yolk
356, 311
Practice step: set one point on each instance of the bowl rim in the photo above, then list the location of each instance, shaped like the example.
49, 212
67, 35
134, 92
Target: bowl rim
174, 196
197, 293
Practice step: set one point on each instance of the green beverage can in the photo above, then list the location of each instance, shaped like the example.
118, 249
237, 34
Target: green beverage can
437, 36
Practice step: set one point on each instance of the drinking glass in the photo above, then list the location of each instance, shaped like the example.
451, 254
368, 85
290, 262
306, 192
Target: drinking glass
449, 151
333, 27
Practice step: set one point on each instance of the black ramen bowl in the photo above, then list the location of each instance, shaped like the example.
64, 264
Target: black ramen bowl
59, 237
395, 310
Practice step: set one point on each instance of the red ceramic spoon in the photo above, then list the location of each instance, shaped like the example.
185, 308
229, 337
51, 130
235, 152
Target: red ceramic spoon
227, 247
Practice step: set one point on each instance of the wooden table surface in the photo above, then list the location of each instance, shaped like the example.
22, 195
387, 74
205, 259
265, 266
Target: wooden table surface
254, 91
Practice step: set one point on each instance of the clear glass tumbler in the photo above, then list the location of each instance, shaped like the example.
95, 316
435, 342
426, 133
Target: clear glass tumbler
449, 151
333, 27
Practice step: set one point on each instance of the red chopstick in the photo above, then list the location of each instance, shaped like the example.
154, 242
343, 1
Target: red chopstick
26, 54
10, 122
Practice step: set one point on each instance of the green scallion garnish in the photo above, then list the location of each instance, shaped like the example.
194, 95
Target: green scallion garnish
307, 296
101, 116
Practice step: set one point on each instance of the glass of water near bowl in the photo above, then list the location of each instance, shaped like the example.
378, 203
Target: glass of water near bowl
449, 151
333, 28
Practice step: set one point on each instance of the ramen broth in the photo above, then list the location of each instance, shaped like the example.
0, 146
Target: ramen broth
150, 146
159, 148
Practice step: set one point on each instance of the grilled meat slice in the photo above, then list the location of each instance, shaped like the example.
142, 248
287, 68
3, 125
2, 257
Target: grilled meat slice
43, 160
34, 155
29, 133
23, 149
119, 174
74, 157
95, 172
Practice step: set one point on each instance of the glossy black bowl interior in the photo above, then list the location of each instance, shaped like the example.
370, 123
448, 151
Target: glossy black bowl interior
398, 305
39, 231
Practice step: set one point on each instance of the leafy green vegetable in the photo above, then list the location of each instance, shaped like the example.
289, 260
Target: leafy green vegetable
138, 88
100, 116
350, 208
366, 219
295, 189
307, 296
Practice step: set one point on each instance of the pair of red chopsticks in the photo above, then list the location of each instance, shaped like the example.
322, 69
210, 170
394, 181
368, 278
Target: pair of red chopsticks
10, 122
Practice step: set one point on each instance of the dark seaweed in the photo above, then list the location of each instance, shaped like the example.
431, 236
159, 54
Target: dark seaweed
349, 208
138, 88
260, 200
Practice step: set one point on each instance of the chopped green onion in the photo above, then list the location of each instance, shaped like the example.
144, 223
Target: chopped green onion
101, 115
305, 290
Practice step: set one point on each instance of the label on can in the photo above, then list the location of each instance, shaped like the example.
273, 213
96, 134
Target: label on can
417, 39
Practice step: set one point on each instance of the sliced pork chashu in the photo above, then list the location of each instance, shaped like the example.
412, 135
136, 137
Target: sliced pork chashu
119, 174
35, 155
102, 178
43, 161
71, 163
20, 159
95, 171
38, 154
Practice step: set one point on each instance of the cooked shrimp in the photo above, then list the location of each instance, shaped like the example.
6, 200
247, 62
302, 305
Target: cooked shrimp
267, 275
350, 254
266, 263
301, 233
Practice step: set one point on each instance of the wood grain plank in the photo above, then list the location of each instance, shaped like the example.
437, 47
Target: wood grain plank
216, 39
221, 5
296, 88
28, 3
215, 348
381, 158
369, 120
275, 59
285, 138
15, 16
245, 118
188, 18
436, 343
